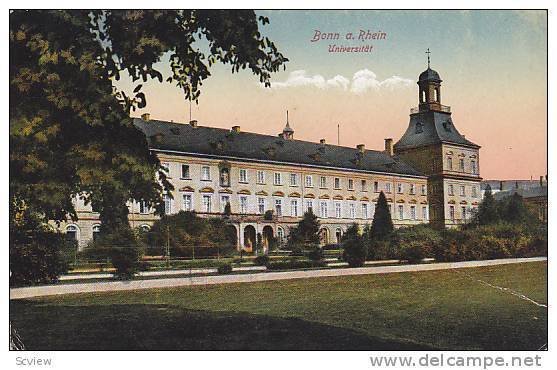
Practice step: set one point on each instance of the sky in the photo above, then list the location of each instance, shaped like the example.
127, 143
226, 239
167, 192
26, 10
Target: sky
493, 65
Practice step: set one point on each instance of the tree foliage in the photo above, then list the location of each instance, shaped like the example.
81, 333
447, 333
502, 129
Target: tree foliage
306, 233
382, 225
487, 210
355, 250
70, 131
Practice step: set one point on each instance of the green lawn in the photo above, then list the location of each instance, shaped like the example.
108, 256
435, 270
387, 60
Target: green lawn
423, 310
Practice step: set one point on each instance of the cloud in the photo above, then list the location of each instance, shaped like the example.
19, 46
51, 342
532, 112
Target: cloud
362, 81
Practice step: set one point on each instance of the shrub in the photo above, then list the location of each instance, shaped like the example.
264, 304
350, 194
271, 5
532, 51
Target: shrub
261, 260
415, 243
123, 249
355, 250
294, 264
315, 254
225, 268
380, 250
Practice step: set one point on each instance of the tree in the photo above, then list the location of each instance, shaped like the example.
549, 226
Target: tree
514, 210
355, 250
487, 210
70, 131
382, 225
306, 233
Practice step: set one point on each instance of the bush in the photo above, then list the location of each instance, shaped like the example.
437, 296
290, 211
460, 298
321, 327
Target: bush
225, 268
355, 250
261, 260
315, 254
123, 249
294, 264
38, 254
415, 243
380, 250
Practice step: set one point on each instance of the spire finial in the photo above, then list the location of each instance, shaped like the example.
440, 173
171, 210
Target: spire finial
287, 116
428, 52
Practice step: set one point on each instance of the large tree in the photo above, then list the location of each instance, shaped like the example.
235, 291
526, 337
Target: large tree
382, 225
487, 210
70, 128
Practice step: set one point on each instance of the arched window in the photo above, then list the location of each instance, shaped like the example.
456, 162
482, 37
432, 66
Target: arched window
419, 128
280, 235
225, 176
96, 231
72, 232
145, 228
436, 94
423, 96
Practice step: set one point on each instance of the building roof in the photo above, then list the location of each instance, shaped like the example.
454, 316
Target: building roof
429, 75
431, 127
227, 144
534, 192
504, 185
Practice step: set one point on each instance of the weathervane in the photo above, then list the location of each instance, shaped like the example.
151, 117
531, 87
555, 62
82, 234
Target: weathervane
428, 52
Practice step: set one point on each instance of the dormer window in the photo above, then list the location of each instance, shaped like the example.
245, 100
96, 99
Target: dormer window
447, 126
419, 128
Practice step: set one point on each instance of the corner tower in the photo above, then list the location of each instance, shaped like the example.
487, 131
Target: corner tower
434, 146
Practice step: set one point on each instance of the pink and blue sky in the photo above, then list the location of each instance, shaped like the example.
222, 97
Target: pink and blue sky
493, 66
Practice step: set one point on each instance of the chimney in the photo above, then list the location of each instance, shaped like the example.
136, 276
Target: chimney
193, 123
322, 141
236, 128
501, 185
541, 180
361, 148
146, 116
389, 146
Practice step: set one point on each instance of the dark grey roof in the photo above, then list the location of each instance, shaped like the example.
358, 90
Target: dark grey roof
431, 127
503, 185
534, 192
210, 141
429, 75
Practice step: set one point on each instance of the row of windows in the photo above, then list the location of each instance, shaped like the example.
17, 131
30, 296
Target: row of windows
293, 180
465, 213
296, 207
462, 190
461, 165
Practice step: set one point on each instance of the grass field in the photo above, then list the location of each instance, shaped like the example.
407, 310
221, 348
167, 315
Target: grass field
423, 310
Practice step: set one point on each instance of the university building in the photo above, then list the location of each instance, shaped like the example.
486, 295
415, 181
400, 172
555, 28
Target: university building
430, 175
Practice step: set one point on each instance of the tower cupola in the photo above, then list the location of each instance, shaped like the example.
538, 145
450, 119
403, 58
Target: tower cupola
287, 132
429, 84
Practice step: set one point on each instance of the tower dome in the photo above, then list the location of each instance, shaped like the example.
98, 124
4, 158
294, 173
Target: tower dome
429, 75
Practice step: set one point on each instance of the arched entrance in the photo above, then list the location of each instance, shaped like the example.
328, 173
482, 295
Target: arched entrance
249, 238
324, 236
267, 238
231, 235
338, 234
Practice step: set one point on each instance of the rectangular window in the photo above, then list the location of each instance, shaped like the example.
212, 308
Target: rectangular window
166, 167
323, 209
309, 205
350, 184
424, 213
260, 177
294, 207
278, 178
388, 187
376, 186
413, 212
309, 181
462, 190
243, 175
143, 209
474, 192
207, 203
293, 179
338, 210
224, 200
188, 203
473, 166
243, 204
352, 210
461, 164
412, 189
364, 211
261, 205
451, 213
400, 188
449, 163
278, 207
167, 204
424, 190
337, 183
364, 185
463, 211
451, 189
205, 173
185, 171
322, 182
401, 212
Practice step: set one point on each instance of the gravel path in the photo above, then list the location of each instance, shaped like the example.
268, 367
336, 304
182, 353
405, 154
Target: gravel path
46, 290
